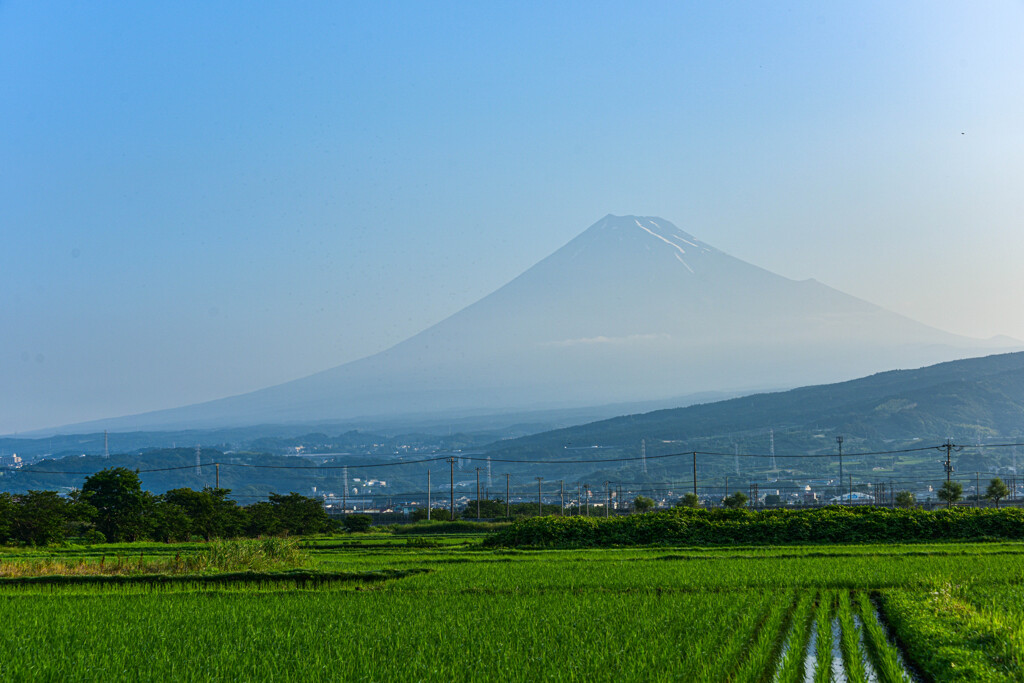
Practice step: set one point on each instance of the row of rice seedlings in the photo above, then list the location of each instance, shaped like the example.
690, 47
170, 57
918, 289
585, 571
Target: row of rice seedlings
763, 651
850, 641
727, 646
791, 662
823, 639
884, 655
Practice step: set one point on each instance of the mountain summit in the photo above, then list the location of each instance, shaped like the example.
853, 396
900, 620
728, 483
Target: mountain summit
631, 309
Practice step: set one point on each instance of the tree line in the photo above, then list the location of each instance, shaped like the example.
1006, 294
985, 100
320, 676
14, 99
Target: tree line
112, 507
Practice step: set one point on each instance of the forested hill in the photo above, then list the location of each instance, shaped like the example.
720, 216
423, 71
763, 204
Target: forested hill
969, 400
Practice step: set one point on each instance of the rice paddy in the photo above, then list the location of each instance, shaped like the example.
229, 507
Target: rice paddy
450, 610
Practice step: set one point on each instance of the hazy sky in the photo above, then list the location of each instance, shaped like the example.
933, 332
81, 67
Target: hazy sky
199, 199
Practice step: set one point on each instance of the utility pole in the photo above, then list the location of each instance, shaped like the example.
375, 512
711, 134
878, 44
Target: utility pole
977, 490
540, 503
586, 494
851, 489
839, 440
428, 495
727, 486
217, 465
608, 505
478, 494
561, 496
949, 466
344, 493
451, 479
508, 501
579, 500
695, 473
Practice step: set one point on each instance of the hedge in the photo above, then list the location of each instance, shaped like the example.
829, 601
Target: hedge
834, 524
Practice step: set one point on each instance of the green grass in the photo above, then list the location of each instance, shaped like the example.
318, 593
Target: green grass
452, 610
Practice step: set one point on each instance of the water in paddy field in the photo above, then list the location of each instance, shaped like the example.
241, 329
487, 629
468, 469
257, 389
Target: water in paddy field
869, 668
811, 661
838, 669
836, 655
813, 655
907, 675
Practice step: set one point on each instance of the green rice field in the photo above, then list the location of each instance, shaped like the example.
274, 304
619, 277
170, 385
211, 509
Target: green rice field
443, 608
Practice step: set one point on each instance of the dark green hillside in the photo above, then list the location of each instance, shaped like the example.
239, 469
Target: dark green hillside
970, 400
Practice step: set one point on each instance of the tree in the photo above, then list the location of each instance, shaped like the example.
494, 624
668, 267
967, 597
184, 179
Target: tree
211, 513
116, 493
40, 518
358, 523
643, 503
299, 514
905, 499
169, 522
6, 516
735, 501
773, 499
689, 500
950, 492
997, 490
261, 520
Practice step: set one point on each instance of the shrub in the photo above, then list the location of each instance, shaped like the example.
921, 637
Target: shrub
688, 526
906, 499
355, 523
735, 501
643, 503
689, 500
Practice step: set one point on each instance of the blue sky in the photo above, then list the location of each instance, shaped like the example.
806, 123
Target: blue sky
200, 199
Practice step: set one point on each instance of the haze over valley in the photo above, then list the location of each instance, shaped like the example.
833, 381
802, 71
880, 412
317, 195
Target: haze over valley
633, 309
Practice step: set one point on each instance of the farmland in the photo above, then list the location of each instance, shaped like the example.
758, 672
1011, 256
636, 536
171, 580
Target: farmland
446, 608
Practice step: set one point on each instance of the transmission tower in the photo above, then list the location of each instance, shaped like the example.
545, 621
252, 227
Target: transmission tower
771, 447
643, 455
736, 459
490, 482
199, 453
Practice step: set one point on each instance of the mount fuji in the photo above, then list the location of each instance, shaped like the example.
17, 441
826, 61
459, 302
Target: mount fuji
632, 309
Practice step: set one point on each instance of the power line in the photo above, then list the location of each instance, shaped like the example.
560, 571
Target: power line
444, 457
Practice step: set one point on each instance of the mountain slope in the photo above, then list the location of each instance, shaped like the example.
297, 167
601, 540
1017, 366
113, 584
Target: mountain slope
631, 309
969, 400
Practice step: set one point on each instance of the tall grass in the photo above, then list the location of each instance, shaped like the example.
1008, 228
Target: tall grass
260, 555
